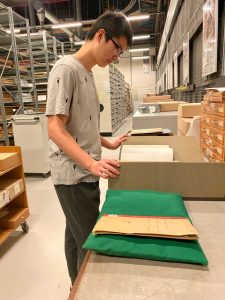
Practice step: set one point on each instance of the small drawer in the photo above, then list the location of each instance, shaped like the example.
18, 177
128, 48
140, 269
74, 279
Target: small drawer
218, 149
218, 108
205, 139
205, 129
214, 158
217, 135
205, 150
218, 122
205, 118
205, 107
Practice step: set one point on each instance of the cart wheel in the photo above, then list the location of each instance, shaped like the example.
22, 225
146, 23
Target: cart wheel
25, 227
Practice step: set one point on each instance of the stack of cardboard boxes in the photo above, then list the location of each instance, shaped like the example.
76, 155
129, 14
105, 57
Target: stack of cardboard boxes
212, 128
165, 102
186, 112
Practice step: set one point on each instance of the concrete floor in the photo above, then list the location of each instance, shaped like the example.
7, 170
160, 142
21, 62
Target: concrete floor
32, 265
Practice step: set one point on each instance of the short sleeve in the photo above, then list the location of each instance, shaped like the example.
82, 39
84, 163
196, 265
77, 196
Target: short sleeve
61, 87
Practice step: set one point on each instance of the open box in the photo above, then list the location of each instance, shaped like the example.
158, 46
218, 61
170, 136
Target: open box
188, 175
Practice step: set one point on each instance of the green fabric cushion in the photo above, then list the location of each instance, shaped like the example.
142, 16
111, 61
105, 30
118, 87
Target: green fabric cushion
145, 203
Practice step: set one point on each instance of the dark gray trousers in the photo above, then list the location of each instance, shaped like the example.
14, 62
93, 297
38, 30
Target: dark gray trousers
80, 204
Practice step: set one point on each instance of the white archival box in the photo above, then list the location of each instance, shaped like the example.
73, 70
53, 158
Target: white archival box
146, 153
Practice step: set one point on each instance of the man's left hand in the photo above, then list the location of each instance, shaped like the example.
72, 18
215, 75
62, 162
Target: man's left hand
118, 141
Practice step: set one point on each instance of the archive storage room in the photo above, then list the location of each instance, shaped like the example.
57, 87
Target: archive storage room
112, 149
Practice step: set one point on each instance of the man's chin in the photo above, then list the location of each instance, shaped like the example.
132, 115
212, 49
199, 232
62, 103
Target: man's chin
103, 64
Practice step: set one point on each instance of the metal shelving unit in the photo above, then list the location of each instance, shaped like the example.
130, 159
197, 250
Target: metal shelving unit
115, 97
46, 50
14, 90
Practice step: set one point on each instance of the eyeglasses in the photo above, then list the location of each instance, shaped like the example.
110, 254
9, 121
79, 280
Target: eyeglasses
119, 50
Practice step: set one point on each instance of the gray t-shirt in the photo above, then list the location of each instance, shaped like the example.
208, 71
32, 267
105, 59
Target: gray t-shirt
72, 92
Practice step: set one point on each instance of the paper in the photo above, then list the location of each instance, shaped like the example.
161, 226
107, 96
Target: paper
146, 153
152, 226
145, 131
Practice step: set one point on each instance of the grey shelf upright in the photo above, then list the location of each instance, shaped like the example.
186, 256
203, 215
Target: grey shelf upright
13, 68
46, 50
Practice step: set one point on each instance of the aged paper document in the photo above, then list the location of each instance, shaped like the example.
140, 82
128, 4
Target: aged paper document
167, 227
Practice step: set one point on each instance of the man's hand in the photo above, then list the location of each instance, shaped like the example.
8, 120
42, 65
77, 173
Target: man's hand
105, 168
118, 141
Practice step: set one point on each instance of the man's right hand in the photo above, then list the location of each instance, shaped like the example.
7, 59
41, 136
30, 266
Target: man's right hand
105, 168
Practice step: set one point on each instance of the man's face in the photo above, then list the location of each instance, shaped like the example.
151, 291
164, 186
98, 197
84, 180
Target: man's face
109, 51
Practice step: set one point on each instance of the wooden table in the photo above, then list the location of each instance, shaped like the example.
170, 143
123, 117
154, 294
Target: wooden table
115, 278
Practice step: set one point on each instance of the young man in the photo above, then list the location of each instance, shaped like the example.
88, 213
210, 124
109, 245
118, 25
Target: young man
73, 128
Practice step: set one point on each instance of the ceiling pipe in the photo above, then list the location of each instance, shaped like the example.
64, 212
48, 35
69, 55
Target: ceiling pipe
159, 6
158, 16
30, 4
129, 6
79, 16
44, 13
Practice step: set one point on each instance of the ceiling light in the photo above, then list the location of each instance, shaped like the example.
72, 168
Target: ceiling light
140, 57
67, 25
79, 43
141, 37
139, 49
136, 18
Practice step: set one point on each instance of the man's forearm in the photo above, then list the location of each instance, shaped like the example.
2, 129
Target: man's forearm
105, 143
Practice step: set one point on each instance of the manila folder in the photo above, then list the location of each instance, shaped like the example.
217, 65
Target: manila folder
152, 226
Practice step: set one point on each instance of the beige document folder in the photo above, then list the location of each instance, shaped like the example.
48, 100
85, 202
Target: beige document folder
151, 226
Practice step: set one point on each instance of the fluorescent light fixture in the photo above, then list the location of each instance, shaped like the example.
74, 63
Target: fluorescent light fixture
140, 57
139, 49
16, 30
79, 43
141, 37
66, 25
137, 18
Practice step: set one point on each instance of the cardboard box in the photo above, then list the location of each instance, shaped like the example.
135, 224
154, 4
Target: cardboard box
4, 198
183, 124
179, 133
189, 175
13, 186
8, 160
189, 110
169, 106
147, 98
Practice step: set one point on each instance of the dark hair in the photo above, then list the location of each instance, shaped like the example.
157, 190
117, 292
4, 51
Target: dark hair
114, 23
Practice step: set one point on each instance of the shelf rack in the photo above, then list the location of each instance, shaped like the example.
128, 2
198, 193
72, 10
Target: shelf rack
13, 68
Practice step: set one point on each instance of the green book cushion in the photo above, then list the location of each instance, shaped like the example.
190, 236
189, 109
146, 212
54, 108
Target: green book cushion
145, 203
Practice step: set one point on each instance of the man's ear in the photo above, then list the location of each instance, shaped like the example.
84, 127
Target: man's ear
100, 34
